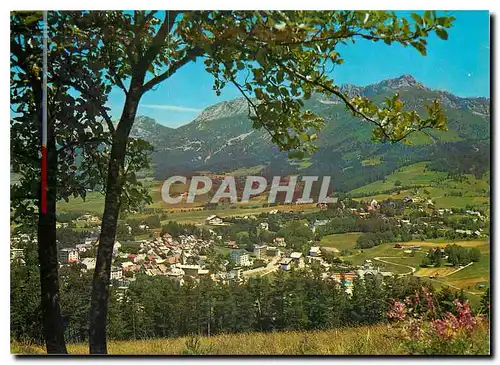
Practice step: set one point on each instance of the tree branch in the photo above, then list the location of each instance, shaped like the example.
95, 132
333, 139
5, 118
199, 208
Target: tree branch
118, 80
339, 94
73, 143
158, 39
251, 103
191, 54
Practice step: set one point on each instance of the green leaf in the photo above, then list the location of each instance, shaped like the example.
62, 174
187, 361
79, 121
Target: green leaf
261, 57
280, 76
417, 18
441, 33
420, 47
427, 17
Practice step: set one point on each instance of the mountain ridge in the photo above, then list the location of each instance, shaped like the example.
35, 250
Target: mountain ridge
221, 138
238, 106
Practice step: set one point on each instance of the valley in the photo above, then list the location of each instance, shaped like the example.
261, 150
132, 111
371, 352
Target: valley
250, 182
397, 207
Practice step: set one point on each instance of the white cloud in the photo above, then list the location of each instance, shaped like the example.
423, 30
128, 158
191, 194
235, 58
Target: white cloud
175, 108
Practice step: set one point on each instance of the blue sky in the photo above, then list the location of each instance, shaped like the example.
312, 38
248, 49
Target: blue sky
460, 65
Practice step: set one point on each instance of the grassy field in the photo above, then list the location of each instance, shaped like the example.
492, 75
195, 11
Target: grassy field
222, 250
472, 276
182, 213
435, 271
342, 241
428, 184
367, 340
442, 243
474, 279
198, 216
384, 250
94, 203
403, 264
411, 175
445, 193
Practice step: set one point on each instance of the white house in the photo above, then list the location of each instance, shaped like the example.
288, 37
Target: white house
260, 251
89, 263
176, 274
127, 264
319, 223
83, 247
240, 258
68, 255
273, 251
315, 251
191, 270
235, 274
116, 273
286, 263
467, 232
213, 220
298, 259
91, 240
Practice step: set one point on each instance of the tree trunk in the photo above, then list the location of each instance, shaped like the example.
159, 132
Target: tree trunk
53, 329
114, 186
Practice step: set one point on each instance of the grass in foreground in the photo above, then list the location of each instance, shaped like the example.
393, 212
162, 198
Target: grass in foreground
366, 340
379, 339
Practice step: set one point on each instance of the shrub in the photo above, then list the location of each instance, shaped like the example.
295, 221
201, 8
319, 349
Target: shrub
193, 346
425, 333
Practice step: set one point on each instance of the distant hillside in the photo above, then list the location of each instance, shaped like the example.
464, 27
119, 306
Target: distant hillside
148, 129
221, 139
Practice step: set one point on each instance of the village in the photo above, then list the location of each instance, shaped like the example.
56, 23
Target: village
220, 248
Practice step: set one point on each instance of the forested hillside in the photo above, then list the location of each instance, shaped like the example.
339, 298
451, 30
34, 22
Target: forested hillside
221, 139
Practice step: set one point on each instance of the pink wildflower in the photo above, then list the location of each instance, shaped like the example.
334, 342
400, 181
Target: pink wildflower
417, 297
465, 318
397, 311
407, 301
443, 329
430, 303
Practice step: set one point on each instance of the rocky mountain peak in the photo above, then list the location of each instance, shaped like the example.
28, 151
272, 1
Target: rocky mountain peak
148, 129
224, 109
404, 81
398, 83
